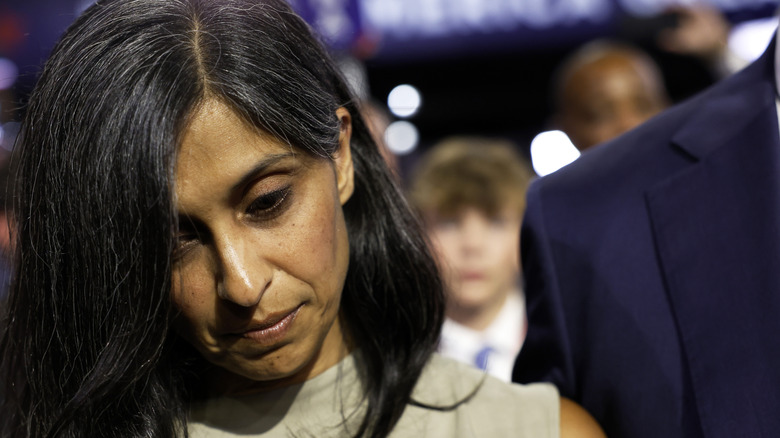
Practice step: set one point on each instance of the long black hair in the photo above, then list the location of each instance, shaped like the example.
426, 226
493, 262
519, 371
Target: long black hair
87, 348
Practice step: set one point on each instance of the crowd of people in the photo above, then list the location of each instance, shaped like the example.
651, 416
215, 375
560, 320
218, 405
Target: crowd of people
209, 239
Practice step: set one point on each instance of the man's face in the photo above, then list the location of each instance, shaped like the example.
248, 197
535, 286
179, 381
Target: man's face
608, 97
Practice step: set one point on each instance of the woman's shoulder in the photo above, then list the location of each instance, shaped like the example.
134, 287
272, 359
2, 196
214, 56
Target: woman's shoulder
460, 380
576, 422
466, 402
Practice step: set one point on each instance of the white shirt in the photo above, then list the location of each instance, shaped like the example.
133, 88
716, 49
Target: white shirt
493, 349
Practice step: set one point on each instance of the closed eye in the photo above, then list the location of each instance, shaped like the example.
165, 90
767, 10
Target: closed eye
270, 204
185, 241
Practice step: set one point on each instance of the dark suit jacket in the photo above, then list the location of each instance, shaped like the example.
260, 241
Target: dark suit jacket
652, 268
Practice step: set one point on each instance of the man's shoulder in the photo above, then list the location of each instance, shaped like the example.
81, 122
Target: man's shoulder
636, 155
648, 152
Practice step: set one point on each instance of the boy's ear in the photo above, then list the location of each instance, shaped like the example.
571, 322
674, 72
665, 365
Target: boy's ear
342, 159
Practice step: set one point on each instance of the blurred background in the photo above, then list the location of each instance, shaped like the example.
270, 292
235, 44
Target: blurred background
437, 68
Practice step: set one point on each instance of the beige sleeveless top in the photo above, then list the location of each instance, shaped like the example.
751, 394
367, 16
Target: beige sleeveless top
329, 405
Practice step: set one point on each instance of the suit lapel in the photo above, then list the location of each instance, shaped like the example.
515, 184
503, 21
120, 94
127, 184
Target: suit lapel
717, 230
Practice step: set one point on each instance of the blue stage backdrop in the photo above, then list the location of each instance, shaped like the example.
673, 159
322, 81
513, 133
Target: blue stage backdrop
395, 31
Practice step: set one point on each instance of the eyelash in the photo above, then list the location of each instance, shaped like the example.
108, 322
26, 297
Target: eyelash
266, 207
184, 243
260, 208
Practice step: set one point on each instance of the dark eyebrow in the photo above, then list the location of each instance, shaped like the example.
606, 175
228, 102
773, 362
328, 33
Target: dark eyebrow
259, 168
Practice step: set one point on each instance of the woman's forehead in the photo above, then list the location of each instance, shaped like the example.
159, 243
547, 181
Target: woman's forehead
216, 130
220, 146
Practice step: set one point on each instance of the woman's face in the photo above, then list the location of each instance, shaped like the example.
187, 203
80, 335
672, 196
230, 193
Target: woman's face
263, 249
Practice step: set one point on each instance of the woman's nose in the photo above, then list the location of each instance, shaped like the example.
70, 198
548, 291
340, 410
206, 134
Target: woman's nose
244, 276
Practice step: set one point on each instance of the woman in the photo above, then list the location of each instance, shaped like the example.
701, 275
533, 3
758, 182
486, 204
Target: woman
208, 241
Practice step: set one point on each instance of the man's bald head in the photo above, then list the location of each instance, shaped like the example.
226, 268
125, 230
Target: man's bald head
605, 89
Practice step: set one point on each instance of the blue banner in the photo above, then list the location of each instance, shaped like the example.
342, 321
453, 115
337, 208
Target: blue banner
403, 29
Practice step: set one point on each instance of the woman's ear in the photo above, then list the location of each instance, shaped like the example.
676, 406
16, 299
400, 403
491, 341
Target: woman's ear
342, 159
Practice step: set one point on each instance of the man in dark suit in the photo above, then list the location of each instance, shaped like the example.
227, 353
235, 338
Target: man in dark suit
652, 268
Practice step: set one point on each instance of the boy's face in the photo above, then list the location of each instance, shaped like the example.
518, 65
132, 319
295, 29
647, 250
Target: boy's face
478, 256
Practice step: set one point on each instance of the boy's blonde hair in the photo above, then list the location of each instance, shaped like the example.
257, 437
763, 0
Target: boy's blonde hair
460, 172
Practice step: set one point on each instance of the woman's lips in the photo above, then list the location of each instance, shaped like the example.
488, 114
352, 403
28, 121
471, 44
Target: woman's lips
472, 276
270, 330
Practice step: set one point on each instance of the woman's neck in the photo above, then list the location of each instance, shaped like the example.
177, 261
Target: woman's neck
336, 347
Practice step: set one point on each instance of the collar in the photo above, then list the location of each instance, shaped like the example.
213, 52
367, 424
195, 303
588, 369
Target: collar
505, 332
